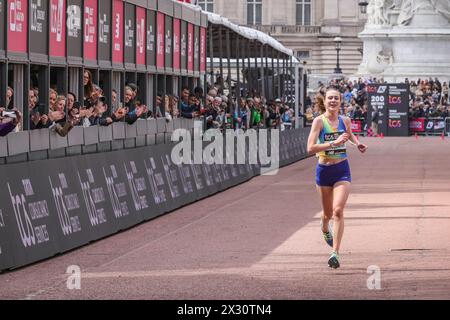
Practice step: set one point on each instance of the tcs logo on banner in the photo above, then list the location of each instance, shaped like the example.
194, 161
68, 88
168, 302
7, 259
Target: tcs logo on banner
395, 100
395, 124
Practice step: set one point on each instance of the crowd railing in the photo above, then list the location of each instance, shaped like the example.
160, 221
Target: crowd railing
44, 143
430, 126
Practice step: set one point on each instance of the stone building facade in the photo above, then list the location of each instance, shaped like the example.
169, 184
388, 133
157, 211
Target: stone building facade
306, 26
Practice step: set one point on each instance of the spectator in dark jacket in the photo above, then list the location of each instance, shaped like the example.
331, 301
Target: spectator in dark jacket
100, 114
158, 107
418, 111
188, 110
134, 112
358, 113
130, 105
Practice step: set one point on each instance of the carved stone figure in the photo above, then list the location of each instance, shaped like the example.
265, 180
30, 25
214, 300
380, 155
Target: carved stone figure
399, 33
443, 7
376, 11
408, 8
381, 61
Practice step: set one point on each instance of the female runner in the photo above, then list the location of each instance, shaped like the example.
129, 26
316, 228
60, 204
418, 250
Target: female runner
329, 134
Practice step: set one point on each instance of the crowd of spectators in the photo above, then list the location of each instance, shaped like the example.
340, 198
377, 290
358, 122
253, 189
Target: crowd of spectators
216, 109
224, 112
10, 117
427, 98
67, 111
354, 98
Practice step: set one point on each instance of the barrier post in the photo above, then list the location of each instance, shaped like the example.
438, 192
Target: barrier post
447, 126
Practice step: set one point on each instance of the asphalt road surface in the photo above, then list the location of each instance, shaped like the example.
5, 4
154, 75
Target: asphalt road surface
262, 240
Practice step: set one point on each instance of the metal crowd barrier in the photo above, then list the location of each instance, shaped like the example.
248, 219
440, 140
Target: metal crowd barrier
43, 144
435, 126
447, 127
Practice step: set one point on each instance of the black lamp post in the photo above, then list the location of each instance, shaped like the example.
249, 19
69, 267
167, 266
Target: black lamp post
338, 42
363, 6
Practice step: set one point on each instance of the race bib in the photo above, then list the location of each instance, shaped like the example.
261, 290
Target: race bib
329, 137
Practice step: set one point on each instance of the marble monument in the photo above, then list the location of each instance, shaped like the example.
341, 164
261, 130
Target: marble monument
406, 39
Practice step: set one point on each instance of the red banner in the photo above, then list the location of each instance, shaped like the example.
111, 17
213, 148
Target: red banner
202, 49
118, 38
90, 29
141, 35
357, 126
190, 47
417, 125
176, 43
160, 28
18, 25
58, 28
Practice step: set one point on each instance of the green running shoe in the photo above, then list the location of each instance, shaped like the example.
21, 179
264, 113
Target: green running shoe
333, 262
328, 236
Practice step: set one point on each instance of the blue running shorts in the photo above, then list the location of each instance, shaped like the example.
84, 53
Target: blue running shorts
328, 176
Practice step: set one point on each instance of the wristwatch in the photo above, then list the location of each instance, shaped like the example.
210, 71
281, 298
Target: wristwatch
331, 144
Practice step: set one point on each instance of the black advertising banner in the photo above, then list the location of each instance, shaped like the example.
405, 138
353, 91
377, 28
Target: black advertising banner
52, 206
392, 103
377, 102
188, 184
183, 45
104, 30
27, 216
398, 110
199, 180
156, 181
151, 43
2, 25
6, 259
78, 200
169, 42
160, 48
173, 182
196, 48
74, 29
39, 27
176, 43
130, 33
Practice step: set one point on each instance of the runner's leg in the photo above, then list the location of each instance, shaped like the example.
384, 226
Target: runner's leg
340, 196
326, 195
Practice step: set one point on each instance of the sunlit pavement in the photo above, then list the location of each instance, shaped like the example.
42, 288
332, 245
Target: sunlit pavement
262, 240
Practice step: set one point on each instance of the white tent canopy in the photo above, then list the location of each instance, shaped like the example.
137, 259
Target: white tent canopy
246, 32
